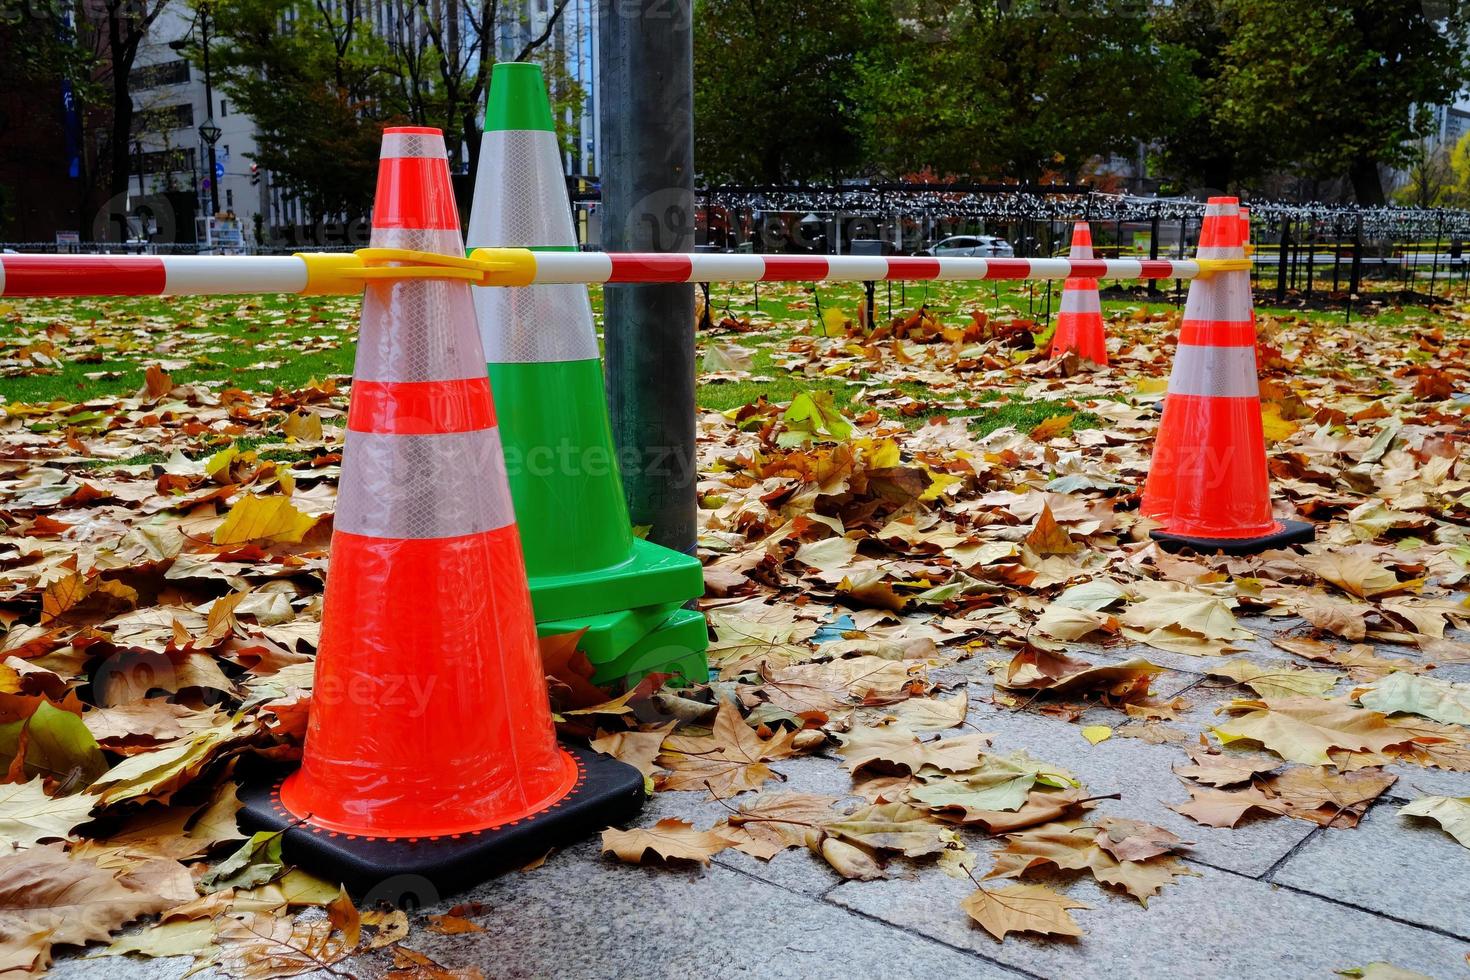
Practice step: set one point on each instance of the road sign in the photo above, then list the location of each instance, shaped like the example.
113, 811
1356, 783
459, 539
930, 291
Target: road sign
219, 171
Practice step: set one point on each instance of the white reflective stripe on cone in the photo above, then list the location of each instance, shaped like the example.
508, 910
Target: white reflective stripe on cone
535, 324
1220, 252
520, 193
205, 275
423, 486
1214, 372
1081, 301
418, 330
428, 146
440, 241
1223, 298
719, 268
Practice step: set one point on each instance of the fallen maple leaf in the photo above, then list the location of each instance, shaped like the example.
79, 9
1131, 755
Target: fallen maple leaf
1353, 574
730, 760
1276, 680
901, 748
1450, 812
1023, 908
669, 839
996, 783
1037, 670
1076, 849
637, 749
1208, 616
893, 827
1221, 808
1304, 729
1325, 797
776, 821
1214, 768
1134, 840
1428, 697
48, 898
272, 520
28, 816
1360, 661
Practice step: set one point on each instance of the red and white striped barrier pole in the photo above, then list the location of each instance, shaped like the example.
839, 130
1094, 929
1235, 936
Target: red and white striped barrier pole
327, 273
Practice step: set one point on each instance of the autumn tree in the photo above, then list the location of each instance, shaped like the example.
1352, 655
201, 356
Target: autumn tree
1016, 88
1339, 88
772, 87
93, 44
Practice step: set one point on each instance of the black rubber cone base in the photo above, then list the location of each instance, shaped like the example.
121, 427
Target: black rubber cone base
419, 871
1292, 532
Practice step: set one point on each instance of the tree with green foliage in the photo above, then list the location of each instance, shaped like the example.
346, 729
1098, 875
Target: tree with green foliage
1017, 88
93, 45
1335, 88
321, 80
312, 77
772, 81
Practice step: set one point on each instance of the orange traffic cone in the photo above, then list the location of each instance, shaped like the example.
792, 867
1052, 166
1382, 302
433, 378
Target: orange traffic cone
1080, 322
1207, 484
430, 750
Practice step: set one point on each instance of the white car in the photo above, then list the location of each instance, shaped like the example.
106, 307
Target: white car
972, 246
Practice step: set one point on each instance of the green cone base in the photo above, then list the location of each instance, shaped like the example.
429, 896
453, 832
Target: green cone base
608, 636
675, 644
652, 575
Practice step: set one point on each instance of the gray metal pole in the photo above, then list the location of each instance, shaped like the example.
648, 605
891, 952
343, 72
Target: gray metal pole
646, 54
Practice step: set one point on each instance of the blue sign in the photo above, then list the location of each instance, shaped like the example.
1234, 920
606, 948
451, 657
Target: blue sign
219, 171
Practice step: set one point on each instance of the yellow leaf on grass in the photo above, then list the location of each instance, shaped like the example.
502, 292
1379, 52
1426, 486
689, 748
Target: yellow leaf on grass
303, 426
271, 519
1275, 427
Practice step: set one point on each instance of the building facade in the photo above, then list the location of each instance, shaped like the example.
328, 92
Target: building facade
172, 104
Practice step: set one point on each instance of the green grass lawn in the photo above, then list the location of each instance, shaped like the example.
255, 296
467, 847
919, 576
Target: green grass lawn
74, 350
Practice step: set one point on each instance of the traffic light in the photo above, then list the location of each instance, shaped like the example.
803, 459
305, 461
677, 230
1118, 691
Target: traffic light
255, 173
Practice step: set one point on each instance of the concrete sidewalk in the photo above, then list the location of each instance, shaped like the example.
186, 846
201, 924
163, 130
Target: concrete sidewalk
1275, 897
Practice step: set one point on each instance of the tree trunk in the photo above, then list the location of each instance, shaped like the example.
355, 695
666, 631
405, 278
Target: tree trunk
120, 143
1367, 185
471, 122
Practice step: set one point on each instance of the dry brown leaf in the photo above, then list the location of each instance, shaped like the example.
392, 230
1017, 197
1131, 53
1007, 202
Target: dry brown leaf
730, 760
1023, 908
1325, 797
48, 898
669, 839
898, 747
1219, 769
1075, 849
1219, 808
775, 821
1134, 840
1304, 729
637, 749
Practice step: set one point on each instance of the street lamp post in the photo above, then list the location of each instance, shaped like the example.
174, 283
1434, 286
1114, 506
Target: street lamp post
208, 129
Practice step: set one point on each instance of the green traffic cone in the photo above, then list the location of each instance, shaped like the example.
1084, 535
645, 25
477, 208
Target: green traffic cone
586, 567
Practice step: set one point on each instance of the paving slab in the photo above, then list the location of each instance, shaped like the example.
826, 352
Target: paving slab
579, 916
1400, 866
1218, 925
1143, 774
797, 869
